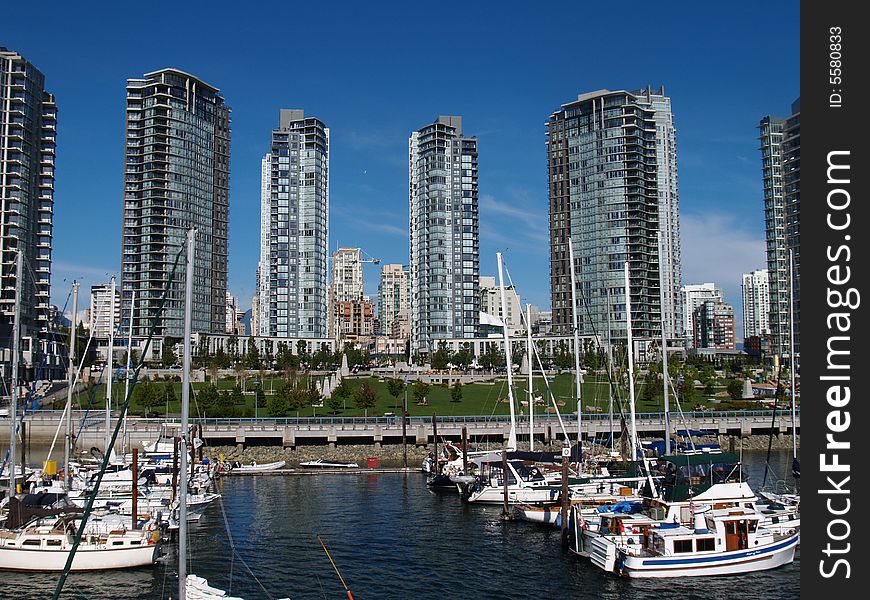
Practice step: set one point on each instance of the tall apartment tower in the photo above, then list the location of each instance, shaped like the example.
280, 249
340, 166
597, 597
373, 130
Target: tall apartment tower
346, 286
260, 301
444, 234
694, 295
28, 132
714, 325
176, 176
756, 304
770, 137
612, 188
292, 276
393, 303
791, 181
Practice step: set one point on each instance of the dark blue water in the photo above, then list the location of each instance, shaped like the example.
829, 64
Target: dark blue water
391, 538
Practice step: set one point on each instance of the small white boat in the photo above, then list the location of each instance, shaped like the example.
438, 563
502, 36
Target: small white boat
197, 588
255, 467
322, 463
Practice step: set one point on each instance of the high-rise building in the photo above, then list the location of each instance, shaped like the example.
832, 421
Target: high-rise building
756, 304
393, 304
292, 274
612, 189
345, 289
770, 137
490, 303
714, 325
28, 134
260, 301
791, 181
176, 176
444, 234
693, 296
103, 320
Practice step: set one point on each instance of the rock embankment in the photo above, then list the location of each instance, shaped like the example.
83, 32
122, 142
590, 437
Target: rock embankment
391, 455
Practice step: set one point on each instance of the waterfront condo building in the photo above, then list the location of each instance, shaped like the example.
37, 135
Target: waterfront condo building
105, 313
612, 188
292, 295
756, 304
444, 234
176, 176
780, 167
393, 304
791, 181
490, 304
714, 325
693, 296
28, 133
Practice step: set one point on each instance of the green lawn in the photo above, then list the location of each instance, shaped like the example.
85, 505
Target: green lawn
478, 399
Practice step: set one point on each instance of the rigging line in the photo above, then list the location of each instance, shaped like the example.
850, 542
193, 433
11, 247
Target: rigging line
233, 547
773, 422
93, 495
334, 566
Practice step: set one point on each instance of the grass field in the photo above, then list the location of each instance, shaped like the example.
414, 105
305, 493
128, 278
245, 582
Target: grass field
477, 399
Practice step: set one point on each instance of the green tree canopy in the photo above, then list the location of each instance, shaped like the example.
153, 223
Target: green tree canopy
365, 397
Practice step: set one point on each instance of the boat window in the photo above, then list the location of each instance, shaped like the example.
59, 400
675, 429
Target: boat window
117, 543
731, 527
706, 544
136, 542
31, 542
682, 546
753, 525
53, 542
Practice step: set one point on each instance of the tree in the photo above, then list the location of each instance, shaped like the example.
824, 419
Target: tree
277, 405
252, 358
456, 392
421, 390
464, 357
148, 396
395, 387
735, 389
168, 356
365, 397
441, 357
335, 403
687, 390
208, 400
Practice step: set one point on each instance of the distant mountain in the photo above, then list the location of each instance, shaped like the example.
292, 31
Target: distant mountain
247, 320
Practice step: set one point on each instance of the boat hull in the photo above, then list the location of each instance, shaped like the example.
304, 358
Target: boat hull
727, 563
23, 559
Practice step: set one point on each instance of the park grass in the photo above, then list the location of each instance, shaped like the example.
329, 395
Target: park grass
479, 399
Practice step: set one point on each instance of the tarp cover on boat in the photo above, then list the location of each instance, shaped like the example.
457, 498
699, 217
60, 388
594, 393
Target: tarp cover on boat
626, 508
26, 508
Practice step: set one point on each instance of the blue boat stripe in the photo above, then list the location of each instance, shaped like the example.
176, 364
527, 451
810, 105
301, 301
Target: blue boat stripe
707, 559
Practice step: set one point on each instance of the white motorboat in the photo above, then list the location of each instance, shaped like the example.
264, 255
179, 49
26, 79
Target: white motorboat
322, 463
722, 542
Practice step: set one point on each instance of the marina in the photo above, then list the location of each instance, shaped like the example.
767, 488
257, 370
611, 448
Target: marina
392, 538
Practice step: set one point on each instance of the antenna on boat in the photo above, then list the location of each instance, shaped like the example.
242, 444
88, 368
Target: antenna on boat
334, 566
512, 435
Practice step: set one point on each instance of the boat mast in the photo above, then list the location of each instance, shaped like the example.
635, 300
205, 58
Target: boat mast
109, 363
185, 410
512, 435
665, 373
72, 381
127, 374
630, 352
791, 351
16, 350
578, 377
610, 374
531, 369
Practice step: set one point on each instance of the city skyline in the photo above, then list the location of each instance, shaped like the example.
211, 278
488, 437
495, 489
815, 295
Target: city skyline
720, 181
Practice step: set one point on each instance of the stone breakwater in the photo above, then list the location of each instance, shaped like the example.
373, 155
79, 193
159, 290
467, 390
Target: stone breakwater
391, 455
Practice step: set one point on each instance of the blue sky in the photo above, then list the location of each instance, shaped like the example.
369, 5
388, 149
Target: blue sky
376, 71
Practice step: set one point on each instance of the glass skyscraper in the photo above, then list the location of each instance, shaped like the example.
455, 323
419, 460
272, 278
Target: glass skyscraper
444, 234
292, 275
612, 189
176, 176
28, 134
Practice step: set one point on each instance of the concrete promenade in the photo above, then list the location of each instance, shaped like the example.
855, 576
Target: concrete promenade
290, 432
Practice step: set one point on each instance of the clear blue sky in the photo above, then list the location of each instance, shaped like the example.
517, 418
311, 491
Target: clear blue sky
375, 71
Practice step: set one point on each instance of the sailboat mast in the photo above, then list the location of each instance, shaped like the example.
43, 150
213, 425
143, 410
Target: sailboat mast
72, 380
610, 373
531, 369
185, 415
13, 384
665, 373
129, 365
578, 378
512, 435
791, 351
630, 352
109, 364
